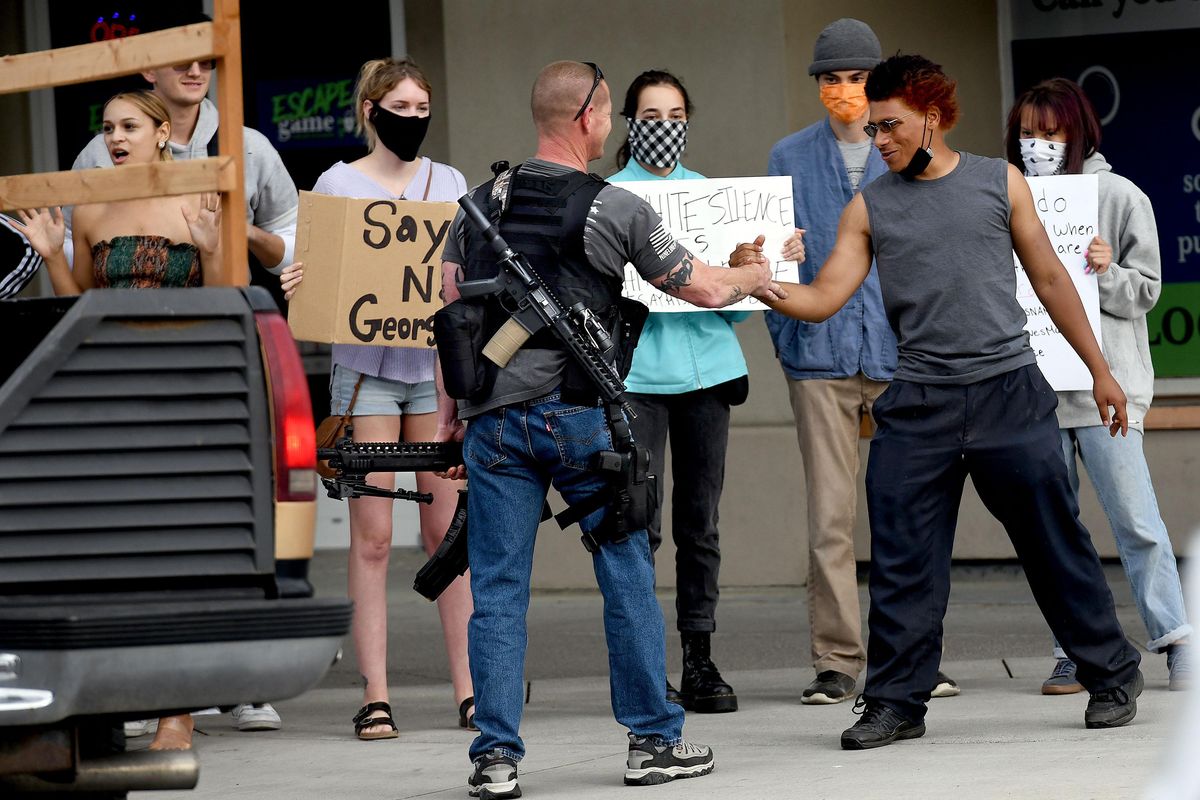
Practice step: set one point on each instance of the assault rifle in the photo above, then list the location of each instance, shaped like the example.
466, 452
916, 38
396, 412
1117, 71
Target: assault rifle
355, 460
533, 307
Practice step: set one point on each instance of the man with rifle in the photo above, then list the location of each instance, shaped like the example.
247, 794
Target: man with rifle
553, 414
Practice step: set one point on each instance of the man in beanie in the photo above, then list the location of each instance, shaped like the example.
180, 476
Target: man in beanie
837, 368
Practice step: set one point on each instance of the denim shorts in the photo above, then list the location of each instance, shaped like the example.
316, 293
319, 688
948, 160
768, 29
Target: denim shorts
379, 396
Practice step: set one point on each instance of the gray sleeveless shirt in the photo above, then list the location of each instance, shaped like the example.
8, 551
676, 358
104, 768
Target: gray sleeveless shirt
944, 253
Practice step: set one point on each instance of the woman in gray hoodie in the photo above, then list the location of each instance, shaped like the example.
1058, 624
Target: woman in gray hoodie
1053, 130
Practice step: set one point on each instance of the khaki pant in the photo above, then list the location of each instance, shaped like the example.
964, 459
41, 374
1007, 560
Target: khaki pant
829, 416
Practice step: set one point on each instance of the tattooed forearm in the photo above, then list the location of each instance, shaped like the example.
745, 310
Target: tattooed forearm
735, 294
679, 277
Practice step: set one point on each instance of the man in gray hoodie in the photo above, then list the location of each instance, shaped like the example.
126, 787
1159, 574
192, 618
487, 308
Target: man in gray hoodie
271, 198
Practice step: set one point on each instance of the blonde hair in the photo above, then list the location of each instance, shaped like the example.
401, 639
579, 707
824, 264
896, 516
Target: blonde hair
153, 107
377, 78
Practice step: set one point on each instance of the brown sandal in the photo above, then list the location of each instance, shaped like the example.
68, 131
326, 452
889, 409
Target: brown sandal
364, 720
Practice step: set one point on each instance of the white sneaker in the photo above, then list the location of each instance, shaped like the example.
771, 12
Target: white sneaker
255, 717
140, 727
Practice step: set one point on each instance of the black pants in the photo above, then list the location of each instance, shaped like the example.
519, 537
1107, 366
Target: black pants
698, 425
1003, 433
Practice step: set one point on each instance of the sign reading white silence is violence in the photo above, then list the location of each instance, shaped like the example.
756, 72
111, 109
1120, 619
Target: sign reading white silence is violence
710, 217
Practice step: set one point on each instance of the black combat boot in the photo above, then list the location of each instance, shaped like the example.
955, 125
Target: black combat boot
702, 689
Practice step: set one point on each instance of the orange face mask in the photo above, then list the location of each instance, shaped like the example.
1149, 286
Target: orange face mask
845, 101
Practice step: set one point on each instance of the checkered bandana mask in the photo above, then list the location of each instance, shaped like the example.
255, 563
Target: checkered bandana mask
657, 142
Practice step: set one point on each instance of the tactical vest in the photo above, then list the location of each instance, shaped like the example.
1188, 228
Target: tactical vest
543, 219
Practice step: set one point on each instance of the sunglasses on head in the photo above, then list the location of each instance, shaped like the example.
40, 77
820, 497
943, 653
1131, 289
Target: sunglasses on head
596, 82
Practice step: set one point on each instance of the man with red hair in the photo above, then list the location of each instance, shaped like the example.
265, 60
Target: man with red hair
967, 399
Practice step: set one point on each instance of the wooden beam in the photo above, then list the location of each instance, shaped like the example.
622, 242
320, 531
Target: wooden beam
227, 35
77, 187
108, 59
1160, 418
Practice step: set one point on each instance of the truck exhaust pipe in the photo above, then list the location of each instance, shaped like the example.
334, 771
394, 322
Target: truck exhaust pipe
137, 771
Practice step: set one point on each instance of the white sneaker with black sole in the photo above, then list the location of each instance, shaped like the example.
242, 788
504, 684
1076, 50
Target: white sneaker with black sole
494, 778
255, 717
651, 763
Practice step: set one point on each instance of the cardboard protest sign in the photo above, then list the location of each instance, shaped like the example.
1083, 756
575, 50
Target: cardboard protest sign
710, 217
1068, 208
372, 270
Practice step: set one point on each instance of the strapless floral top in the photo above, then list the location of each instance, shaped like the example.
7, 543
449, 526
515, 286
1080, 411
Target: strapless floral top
145, 262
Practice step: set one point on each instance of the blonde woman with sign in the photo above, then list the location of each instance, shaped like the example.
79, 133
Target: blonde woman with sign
389, 391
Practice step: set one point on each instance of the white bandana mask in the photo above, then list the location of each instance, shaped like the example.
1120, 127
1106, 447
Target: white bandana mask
1042, 157
657, 142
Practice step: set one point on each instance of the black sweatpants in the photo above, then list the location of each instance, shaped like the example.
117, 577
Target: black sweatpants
697, 424
1003, 433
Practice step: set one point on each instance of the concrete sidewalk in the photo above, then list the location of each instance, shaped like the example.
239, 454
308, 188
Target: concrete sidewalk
1000, 738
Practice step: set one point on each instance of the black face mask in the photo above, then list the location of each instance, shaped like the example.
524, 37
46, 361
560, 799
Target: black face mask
921, 158
401, 135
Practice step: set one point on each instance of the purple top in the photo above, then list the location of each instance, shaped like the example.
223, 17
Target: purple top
407, 364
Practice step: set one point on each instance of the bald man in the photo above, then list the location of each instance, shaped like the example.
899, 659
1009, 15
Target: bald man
540, 423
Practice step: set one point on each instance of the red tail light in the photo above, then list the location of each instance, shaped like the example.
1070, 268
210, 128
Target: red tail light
287, 387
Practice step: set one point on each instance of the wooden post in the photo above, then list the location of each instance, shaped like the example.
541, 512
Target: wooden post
227, 38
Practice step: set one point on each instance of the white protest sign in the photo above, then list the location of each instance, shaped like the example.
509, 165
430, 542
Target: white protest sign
710, 217
1068, 208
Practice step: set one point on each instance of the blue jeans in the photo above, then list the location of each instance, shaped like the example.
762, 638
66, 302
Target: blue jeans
1117, 468
512, 455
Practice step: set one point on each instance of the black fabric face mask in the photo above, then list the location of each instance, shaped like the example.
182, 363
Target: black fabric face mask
921, 158
401, 135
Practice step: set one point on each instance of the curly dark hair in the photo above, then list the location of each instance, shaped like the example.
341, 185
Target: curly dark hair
919, 83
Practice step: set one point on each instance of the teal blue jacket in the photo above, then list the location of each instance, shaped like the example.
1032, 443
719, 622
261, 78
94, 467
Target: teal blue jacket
681, 351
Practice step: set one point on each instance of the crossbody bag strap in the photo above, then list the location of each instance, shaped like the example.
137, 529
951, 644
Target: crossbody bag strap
354, 396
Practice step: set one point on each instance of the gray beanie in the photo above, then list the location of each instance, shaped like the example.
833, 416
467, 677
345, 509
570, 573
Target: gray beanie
845, 44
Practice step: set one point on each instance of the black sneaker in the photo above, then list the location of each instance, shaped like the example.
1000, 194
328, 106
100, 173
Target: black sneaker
829, 687
495, 777
1115, 707
650, 763
878, 726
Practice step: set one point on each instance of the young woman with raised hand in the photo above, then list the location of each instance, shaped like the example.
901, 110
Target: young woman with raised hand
149, 242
